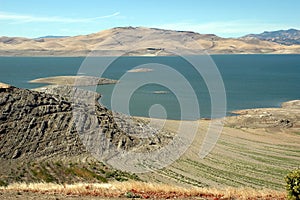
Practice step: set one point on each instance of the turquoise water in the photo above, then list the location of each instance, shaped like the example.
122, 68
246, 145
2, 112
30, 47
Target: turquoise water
250, 81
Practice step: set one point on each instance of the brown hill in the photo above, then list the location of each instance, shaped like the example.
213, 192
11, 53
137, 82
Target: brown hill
139, 41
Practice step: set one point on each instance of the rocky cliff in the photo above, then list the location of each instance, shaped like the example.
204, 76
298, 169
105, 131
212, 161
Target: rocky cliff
35, 124
40, 138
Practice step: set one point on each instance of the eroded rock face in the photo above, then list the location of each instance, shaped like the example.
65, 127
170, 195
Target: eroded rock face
40, 137
124, 132
35, 124
66, 121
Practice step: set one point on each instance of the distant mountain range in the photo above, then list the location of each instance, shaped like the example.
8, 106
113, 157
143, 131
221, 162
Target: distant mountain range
51, 36
286, 37
142, 41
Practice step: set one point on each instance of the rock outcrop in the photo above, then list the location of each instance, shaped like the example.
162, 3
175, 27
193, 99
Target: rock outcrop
42, 138
52, 122
125, 132
35, 124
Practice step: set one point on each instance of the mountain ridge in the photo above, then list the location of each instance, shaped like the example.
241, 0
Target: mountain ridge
285, 37
52, 36
140, 41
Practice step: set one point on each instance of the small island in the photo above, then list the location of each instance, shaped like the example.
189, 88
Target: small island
74, 80
160, 92
140, 70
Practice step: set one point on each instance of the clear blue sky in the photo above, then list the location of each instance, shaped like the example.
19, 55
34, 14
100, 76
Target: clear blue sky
227, 18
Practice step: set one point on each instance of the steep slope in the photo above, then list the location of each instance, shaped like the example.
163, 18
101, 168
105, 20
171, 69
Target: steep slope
285, 37
35, 125
139, 41
41, 140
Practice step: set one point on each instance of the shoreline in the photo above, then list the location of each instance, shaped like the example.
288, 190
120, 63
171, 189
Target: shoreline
138, 55
240, 112
283, 119
284, 106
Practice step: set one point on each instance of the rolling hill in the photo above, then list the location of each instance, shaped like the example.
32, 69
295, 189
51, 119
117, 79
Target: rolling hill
140, 41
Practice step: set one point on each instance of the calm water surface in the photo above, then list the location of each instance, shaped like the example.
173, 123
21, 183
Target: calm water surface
250, 81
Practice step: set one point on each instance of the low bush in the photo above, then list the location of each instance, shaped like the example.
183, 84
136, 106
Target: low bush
293, 184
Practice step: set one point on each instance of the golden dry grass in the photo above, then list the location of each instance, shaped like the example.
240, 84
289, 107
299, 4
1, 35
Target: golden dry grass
144, 190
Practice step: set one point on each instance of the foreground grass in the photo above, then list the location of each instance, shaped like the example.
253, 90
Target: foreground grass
136, 189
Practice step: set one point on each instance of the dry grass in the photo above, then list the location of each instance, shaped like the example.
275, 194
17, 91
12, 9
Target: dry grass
135, 189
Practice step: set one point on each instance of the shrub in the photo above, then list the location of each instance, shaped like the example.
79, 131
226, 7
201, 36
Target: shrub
131, 195
2, 183
293, 184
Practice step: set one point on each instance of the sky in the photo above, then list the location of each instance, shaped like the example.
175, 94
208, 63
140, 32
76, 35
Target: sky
225, 18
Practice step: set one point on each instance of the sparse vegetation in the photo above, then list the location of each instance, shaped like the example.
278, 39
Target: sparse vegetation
42, 173
84, 173
293, 184
132, 195
65, 172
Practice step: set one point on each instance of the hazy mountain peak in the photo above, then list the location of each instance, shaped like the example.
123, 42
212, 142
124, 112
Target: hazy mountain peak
286, 37
51, 36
